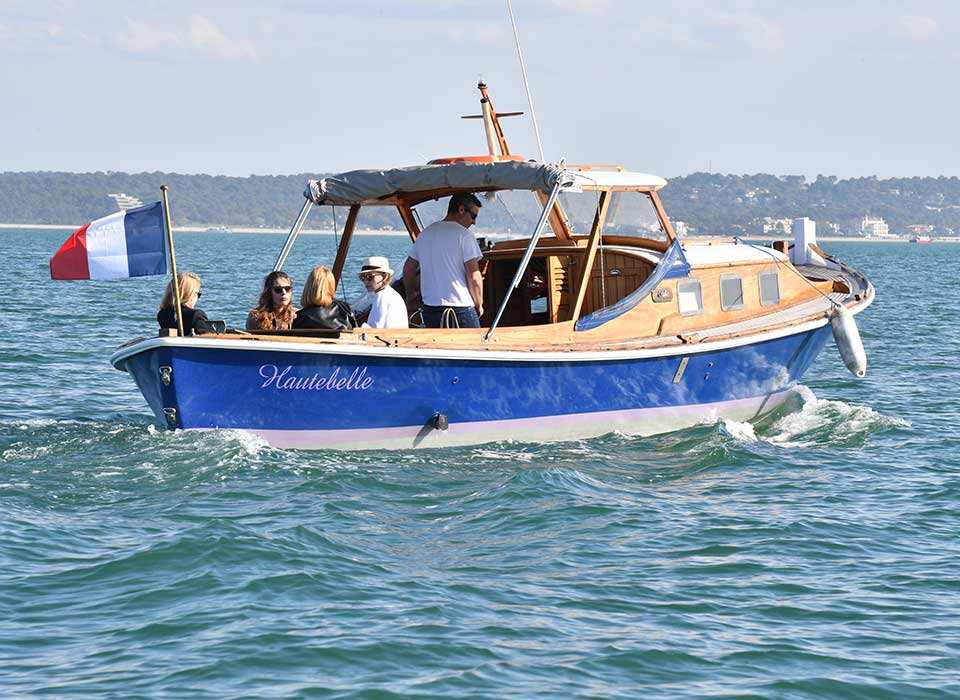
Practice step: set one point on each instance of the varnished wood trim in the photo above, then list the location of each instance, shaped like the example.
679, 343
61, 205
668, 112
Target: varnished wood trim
345, 242
409, 220
599, 219
664, 219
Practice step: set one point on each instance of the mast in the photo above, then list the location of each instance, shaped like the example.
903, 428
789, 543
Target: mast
491, 123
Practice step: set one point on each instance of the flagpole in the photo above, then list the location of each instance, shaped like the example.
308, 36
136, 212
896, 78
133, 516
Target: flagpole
173, 260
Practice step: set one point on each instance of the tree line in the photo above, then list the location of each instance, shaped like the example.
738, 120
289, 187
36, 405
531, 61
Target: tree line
710, 203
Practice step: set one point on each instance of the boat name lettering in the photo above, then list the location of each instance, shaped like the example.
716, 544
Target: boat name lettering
279, 378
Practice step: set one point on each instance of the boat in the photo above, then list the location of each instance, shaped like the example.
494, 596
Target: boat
219, 229
921, 238
598, 318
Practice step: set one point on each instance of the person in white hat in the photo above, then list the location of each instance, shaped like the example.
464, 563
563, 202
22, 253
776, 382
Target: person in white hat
388, 310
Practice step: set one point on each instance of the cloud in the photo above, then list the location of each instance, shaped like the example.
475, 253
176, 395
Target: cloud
200, 36
757, 32
580, 6
917, 27
206, 37
31, 35
140, 37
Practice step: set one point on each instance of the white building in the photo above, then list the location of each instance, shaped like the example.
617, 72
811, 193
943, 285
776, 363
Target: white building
776, 225
680, 228
874, 227
125, 201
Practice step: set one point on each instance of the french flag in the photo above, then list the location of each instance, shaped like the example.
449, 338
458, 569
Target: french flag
129, 243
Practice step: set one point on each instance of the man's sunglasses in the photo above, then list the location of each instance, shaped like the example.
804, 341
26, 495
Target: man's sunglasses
473, 214
280, 289
369, 276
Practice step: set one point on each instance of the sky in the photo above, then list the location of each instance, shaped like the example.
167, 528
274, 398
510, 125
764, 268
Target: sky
845, 88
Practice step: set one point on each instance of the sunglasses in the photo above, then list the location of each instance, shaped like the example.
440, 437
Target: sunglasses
280, 289
199, 294
369, 276
473, 214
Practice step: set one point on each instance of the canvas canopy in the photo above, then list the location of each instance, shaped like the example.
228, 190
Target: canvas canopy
370, 186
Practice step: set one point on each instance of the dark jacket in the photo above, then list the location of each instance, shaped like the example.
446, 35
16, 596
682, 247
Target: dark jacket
338, 317
194, 320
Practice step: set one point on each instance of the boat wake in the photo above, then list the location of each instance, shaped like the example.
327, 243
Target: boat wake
99, 449
813, 423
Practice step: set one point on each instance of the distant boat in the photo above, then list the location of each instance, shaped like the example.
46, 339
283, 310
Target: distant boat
219, 229
921, 239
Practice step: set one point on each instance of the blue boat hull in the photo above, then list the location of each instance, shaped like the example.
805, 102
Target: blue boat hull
310, 398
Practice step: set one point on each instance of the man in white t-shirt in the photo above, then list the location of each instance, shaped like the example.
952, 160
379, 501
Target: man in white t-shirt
449, 260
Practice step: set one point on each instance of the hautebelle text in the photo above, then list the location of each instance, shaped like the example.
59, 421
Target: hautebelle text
282, 378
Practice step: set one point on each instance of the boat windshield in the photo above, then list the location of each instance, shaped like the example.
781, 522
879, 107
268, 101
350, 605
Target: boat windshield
506, 214
510, 214
633, 214
630, 214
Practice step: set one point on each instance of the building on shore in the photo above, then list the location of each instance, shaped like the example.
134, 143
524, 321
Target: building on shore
874, 227
919, 229
125, 201
771, 225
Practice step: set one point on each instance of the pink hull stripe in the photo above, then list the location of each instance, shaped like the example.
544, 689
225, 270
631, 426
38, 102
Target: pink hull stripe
641, 421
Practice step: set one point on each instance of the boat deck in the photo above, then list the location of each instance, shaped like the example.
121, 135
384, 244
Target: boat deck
811, 310
818, 306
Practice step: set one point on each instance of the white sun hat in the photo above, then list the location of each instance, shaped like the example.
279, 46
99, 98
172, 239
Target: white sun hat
377, 263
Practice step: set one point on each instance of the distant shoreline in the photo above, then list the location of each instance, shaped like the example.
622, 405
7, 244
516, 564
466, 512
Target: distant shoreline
378, 232
205, 229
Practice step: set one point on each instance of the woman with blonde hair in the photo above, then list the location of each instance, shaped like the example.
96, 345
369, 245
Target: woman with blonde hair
274, 310
194, 320
318, 306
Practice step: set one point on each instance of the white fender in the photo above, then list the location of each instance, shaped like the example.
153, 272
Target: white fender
848, 341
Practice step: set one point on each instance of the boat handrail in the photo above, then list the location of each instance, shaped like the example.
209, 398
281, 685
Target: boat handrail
561, 183
292, 236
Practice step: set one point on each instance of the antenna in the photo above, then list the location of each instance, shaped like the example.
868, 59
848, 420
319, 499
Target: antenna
526, 86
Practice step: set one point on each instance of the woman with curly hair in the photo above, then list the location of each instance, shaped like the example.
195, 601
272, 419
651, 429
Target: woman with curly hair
275, 310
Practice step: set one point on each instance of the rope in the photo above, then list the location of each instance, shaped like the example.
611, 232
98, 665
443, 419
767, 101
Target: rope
449, 319
780, 263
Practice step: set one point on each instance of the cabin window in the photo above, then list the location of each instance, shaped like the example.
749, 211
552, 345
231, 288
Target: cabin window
690, 297
769, 288
731, 292
579, 210
633, 214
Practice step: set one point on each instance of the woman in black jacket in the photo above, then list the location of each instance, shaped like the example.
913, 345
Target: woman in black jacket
194, 320
319, 308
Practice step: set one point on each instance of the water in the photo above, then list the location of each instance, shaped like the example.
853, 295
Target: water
811, 555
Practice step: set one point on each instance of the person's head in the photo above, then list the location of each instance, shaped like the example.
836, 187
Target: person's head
463, 208
319, 289
375, 273
277, 291
189, 285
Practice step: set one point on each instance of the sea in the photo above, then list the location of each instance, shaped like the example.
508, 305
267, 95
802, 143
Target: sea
814, 554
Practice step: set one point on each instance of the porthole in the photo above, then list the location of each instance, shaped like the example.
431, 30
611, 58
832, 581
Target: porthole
689, 297
769, 288
731, 292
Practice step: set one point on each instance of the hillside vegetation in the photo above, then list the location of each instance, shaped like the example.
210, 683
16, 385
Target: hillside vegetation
709, 203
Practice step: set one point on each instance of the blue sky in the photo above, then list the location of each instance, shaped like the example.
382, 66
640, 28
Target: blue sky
840, 88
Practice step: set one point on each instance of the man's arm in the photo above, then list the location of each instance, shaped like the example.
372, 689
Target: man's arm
475, 284
411, 283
